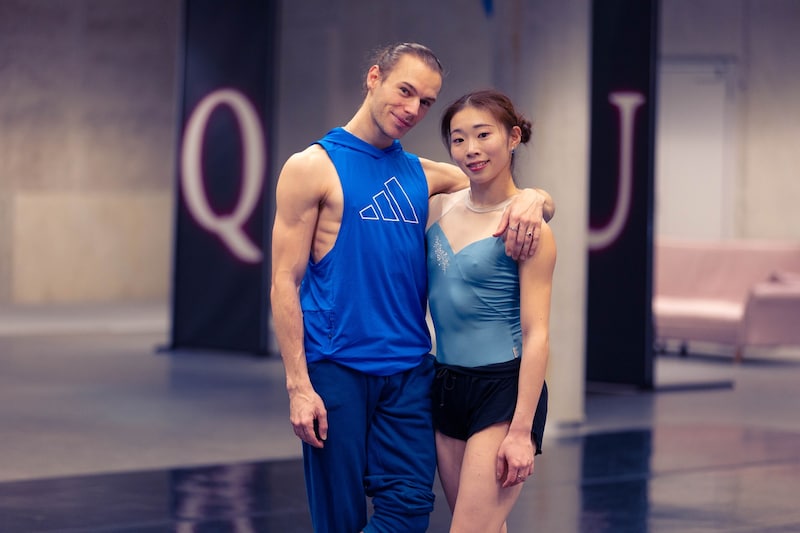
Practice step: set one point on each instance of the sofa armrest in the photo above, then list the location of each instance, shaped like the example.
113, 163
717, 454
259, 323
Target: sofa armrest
772, 314
785, 277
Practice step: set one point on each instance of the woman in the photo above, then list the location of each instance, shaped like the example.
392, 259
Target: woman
491, 319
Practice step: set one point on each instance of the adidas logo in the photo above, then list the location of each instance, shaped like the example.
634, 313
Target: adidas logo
391, 204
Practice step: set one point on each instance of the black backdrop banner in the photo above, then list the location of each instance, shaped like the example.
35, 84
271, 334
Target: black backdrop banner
220, 297
623, 101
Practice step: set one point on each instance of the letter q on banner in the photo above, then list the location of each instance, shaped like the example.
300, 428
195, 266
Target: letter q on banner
229, 228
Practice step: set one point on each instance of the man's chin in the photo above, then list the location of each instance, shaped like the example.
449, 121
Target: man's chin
400, 131
399, 128
394, 133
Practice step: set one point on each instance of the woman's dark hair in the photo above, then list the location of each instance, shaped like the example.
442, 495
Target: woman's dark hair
387, 57
493, 101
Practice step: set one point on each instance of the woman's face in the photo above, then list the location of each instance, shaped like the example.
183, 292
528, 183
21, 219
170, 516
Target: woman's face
480, 145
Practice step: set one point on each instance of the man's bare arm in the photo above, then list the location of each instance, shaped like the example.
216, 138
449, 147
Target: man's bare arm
443, 177
298, 197
520, 226
446, 177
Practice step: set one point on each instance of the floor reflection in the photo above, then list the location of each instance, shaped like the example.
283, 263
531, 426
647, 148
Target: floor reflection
676, 478
245, 498
615, 472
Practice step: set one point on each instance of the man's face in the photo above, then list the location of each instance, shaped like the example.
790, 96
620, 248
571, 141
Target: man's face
399, 100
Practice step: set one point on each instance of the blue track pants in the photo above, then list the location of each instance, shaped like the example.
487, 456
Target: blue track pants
380, 445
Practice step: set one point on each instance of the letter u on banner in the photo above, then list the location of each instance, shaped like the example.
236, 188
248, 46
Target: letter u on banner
619, 299
626, 103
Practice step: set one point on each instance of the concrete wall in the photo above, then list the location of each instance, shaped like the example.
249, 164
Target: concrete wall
87, 122
760, 39
87, 118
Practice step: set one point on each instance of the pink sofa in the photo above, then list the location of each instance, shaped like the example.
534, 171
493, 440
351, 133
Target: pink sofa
735, 293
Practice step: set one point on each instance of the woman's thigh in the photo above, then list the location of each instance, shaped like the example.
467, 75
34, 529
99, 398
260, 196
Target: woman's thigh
449, 455
483, 504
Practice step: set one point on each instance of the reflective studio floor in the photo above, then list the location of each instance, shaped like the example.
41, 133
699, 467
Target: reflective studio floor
102, 431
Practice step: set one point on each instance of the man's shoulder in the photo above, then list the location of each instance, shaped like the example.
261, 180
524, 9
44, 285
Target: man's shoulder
309, 172
310, 158
311, 152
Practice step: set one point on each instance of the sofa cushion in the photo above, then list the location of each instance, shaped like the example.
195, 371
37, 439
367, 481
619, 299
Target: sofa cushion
724, 270
710, 320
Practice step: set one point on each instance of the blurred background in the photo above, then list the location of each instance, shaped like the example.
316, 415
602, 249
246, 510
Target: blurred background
90, 93
89, 121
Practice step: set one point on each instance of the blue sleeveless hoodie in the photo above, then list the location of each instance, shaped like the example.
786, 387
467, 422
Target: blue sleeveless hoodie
364, 302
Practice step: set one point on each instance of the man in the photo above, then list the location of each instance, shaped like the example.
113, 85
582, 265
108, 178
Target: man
348, 301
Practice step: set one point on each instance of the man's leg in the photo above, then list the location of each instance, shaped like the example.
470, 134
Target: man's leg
402, 454
334, 474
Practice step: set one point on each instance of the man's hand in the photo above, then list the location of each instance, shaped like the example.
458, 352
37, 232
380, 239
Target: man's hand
309, 417
521, 224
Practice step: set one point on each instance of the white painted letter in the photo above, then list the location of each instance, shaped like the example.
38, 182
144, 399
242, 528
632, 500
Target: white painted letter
228, 227
627, 104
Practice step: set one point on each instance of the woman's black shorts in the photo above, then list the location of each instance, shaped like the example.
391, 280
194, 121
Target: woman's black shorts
467, 400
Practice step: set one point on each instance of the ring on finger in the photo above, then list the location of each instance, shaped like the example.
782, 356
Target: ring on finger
514, 229
529, 234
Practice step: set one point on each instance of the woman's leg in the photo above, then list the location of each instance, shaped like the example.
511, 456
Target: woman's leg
483, 504
449, 455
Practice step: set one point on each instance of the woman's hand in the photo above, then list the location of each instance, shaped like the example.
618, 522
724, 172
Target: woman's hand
515, 459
